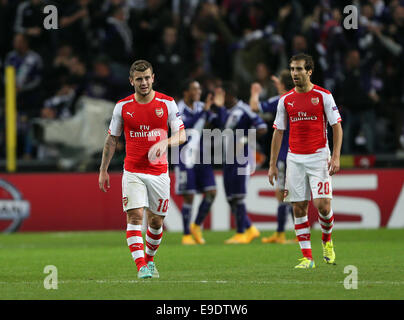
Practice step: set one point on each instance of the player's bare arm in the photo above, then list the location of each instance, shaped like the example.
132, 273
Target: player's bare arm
177, 138
159, 148
255, 91
107, 154
275, 147
334, 164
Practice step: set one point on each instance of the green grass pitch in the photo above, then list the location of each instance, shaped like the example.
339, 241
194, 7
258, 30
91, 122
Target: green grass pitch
98, 265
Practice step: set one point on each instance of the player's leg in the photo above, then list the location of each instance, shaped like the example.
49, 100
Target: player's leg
243, 174
297, 191
321, 189
326, 221
238, 209
283, 210
154, 235
185, 186
205, 181
302, 229
228, 189
203, 210
236, 189
134, 240
283, 207
186, 213
134, 200
158, 190
205, 205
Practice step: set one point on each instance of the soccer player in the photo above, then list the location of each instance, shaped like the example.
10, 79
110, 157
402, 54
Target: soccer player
144, 118
192, 175
283, 84
310, 166
239, 117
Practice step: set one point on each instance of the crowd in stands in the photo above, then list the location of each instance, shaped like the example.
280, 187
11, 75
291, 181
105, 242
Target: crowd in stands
244, 41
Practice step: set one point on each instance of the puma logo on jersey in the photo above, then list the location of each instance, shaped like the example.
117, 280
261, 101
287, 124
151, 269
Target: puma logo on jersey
131, 114
291, 103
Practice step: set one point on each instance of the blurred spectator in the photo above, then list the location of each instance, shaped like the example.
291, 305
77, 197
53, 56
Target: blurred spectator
75, 23
102, 82
251, 16
212, 41
358, 104
29, 21
168, 62
7, 14
289, 20
299, 44
28, 65
184, 11
61, 104
263, 77
147, 25
117, 39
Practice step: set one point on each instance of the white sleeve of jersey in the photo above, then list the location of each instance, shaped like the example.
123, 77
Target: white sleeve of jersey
280, 122
331, 109
174, 118
116, 124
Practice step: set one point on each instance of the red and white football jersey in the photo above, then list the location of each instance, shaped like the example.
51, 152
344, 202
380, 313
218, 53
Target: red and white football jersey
307, 114
143, 126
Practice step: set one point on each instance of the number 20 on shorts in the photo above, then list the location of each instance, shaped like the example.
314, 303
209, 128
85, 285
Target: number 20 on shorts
323, 188
163, 205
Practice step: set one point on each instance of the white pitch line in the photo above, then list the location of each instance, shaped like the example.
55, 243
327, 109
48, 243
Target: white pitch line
155, 281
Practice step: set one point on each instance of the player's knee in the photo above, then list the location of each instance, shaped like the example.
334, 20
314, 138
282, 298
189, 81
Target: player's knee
188, 198
155, 221
238, 200
300, 209
323, 205
324, 208
135, 216
210, 195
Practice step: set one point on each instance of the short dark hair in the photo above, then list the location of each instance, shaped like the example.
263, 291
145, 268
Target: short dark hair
286, 79
230, 88
140, 66
308, 60
186, 84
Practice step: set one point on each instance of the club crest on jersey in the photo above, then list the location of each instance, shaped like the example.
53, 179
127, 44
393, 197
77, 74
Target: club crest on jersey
159, 112
315, 101
125, 201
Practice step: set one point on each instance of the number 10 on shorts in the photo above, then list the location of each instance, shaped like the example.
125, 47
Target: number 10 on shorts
163, 205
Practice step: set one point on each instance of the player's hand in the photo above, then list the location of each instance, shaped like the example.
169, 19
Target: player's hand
272, 173
219, 96
333, 166
157, 150
208, 102
103, 179
255, 89
277, 83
